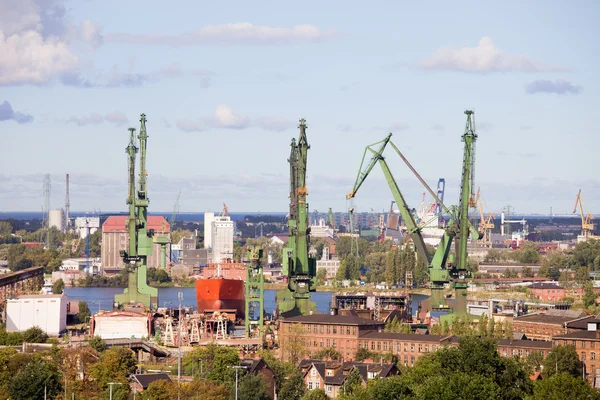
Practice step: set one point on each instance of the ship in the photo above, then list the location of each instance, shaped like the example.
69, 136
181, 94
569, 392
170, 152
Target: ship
221, 294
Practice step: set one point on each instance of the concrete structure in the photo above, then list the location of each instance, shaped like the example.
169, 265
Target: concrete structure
331, 264
190, 256
321, 230
121, 324
208, 220
115, 237
222, 239
49, 312
56, 218
331, 375
83, 225
70, 278
77, 264
545, 325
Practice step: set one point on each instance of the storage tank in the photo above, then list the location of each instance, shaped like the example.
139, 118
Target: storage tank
56, 218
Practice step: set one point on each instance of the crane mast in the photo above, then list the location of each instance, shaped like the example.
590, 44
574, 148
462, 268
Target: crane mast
140, 240
299, 268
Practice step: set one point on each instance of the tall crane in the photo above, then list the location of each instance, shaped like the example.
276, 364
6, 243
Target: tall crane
587, 226
486, 224
297, 265
331, 218
140, 239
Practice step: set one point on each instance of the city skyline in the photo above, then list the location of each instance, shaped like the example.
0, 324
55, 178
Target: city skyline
223, 88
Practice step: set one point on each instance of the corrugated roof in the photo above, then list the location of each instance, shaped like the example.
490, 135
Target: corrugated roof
544, 286
581, 323
118, 223
146, 379
578, 335
332, 319
374, 335
538, 344
546, 318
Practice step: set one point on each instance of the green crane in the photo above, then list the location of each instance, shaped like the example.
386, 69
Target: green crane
255, 292
140, 240
438, 274
299, 268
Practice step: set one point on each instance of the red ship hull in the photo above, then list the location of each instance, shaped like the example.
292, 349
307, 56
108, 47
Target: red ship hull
221, 294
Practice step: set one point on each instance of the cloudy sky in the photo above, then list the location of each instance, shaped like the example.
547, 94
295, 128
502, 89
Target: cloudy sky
223, 85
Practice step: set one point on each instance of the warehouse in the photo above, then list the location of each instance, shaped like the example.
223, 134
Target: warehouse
49, 312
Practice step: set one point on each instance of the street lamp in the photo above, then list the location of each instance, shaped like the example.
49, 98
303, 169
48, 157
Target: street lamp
110, 384
99, 304
237, 368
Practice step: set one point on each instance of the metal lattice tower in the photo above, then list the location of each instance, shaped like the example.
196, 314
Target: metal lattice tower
255, 292
46, 217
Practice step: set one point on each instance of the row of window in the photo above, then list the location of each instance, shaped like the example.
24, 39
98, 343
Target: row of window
389, 346
328, 329
520, 352
592, 356
582, 344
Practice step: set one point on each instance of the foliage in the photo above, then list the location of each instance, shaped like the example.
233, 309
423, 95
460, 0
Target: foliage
294, 347
158, 275
589, 297
562, 359
328, 353
281, 369
84, 312
321, 275
37, 376
315, 394
397, 327
5, 228
35, 334
529, 253
10, 338
58, 286
493, 256
534, 361
213, 361
97, 344
114, 366
353, 383
161, 389
293, 388
563, 386
586, 254
252, 387
119, 280
363, 354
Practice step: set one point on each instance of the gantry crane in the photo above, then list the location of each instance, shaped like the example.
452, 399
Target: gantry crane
587, 226
140, 239
298, 267
486, 224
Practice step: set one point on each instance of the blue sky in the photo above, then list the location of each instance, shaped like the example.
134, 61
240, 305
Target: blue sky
223, 85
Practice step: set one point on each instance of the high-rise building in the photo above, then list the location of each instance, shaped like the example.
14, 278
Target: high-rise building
222, 238
208, 219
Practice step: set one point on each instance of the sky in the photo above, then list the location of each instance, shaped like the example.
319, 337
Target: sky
224, 84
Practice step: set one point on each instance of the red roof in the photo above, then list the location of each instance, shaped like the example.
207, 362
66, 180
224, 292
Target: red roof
118, 223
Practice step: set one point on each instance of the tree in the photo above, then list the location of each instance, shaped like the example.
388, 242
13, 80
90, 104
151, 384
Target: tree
353, 383
293, 388
35, 334
563, 386
527, 272
529, 253
84, 312
328, 353
97, 344
294, 346
37, 376
115, 365
394, 387
534, 361
362, 354
321, 275
493, 256
161, 389
589, 296
252, 387
342, 273
213, 360
5, 228
281, 369
315, 394
562, 359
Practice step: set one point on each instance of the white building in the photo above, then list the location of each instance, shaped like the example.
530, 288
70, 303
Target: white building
49, 312
222, 238
321, 230
120, 325
56, 218
331, 265
86, 224
208, 220
79, 264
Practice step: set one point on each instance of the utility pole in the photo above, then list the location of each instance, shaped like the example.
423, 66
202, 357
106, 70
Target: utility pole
180, 298
110, 385
237, 368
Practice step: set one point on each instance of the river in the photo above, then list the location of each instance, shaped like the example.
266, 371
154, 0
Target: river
101, 298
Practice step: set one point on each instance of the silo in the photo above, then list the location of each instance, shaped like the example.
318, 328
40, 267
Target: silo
56, 218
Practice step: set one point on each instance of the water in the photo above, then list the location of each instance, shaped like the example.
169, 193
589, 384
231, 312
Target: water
101, 298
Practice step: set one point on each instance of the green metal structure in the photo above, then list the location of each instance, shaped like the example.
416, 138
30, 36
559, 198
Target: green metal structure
140, 239
255, 292
299, 268
438, 274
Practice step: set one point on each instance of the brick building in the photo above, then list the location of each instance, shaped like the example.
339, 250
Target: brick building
115, 237
545, 325
259, 366
548, 291
523, 348
587, 346
331, 375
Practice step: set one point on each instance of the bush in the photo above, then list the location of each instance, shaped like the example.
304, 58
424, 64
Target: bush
35, 335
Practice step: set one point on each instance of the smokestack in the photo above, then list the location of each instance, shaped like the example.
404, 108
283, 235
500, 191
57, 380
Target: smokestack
67, 205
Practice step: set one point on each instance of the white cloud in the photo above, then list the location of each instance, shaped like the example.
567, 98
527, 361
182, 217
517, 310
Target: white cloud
230, 34
225, 117
89, 31
117, 118
559, 86
7, 114
486, 57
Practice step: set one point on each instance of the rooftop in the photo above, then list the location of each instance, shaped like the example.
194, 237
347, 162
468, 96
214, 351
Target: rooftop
553, 317
146, 379
581, 323
589, 335
545, 286
374, 335
332, 319
538, 344
118, 223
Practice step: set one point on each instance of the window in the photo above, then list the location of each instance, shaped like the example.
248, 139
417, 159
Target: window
378, 346
328, 329
412, 361
384, 346
334, 343
329, 388
397, 347
412, 347
592, 345
582, 344
328, 343
582, 356
314, 329
347, 330
405, 347
372, 345
420, 348
334, 330
427, 348
354, 330
321, 329
313, 372
592, 356
329, 372
321, 343
520, 352
405, 360
310, 385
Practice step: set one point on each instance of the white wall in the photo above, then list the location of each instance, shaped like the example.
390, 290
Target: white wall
222, 238
121, 327
49, 312
208, 220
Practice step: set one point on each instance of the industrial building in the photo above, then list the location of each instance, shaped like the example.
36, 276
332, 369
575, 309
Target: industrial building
187, 254
121, 324
321, 230
331, 264
86, 225
49, 312
56, 218
115, 237
218, 236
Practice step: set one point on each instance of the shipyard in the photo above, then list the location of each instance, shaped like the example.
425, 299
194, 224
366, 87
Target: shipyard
278, 202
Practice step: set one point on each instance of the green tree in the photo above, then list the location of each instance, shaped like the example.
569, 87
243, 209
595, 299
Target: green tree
281, 369
534, 361
482, 325
363, 354
582, 276
586, 254
214, 361
321, 275
294, 347
529, 253
161, 389
37, 376
293, 388
589, 296
84, 312
394, 387
115, 365
315, 394
562, 359
35, 334
97, 344
5, 228
353, 383
342, 273
328, 353
493, 256
527, 272
252, 387
563, 386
